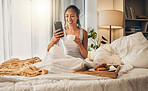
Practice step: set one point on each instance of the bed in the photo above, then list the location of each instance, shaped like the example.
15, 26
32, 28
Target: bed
134, 80
133, 75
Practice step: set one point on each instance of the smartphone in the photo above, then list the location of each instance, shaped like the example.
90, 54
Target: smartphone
58, 25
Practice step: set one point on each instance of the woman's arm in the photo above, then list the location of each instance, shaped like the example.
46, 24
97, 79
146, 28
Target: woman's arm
84, 45
55, 39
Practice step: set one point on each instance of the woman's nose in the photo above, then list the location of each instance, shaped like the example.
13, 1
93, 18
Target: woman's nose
69, 18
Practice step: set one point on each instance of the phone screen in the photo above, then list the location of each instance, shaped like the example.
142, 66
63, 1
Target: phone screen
58, 25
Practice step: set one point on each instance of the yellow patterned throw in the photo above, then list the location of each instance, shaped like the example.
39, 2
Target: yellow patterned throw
25, 67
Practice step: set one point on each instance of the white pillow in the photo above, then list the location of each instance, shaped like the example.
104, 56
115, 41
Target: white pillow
133, 49
105, 54
55, 52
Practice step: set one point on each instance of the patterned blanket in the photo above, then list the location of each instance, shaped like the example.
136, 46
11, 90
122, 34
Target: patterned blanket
25, 67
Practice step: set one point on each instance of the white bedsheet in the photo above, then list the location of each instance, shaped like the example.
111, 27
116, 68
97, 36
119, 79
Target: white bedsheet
134, 80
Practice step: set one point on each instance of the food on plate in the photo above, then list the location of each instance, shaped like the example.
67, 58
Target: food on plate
105, 67
102, 69
101, 65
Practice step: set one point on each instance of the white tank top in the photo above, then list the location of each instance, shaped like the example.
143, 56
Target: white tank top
70, 47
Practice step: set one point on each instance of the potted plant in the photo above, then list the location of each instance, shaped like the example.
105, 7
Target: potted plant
92, 35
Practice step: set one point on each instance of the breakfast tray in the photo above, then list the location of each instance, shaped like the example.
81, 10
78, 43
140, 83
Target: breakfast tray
102, 73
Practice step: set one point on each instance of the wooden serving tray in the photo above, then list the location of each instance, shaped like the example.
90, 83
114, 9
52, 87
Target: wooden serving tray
102, 73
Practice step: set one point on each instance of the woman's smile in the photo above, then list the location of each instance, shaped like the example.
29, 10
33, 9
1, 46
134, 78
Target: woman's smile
70, 22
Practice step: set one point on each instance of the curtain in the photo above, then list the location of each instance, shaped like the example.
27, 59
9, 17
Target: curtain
26, 26
5, 29
1, 34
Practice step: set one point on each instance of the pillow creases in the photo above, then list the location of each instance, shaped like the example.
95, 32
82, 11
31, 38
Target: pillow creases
106, 54
133, 49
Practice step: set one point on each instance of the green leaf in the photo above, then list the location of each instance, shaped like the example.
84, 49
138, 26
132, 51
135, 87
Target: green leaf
92, 30
89, 36
89, 49
95, 47
103, 42
92, 45
104, 38
94, 35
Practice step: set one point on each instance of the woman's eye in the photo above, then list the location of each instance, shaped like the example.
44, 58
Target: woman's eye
66, 16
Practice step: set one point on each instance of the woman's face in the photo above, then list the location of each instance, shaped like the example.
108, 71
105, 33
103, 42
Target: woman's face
71, 17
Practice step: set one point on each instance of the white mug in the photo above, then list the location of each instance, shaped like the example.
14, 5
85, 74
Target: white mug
71, 37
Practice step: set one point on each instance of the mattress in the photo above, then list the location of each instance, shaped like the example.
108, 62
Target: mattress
134, 80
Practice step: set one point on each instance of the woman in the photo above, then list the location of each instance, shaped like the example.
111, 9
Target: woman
77, 48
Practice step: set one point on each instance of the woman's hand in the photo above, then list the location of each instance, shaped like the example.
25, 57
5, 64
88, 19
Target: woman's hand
57, 35
77, 40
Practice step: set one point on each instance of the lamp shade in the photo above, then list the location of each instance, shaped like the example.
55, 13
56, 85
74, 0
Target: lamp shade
110, 17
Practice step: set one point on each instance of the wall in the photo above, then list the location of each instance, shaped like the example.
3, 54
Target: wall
109, 5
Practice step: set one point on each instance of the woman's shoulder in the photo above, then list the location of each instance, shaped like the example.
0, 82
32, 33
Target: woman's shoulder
84, 31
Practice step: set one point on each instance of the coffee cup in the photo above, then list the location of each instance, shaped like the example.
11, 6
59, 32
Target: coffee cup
71, 37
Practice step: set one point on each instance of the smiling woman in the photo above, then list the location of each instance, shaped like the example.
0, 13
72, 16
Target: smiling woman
77, 47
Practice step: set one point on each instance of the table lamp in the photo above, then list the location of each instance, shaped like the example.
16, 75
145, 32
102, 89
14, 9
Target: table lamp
112, 19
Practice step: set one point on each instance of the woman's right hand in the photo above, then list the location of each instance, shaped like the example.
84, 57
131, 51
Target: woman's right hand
57, 35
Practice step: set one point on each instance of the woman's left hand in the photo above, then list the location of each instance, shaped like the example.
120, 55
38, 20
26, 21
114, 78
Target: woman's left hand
77, 40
